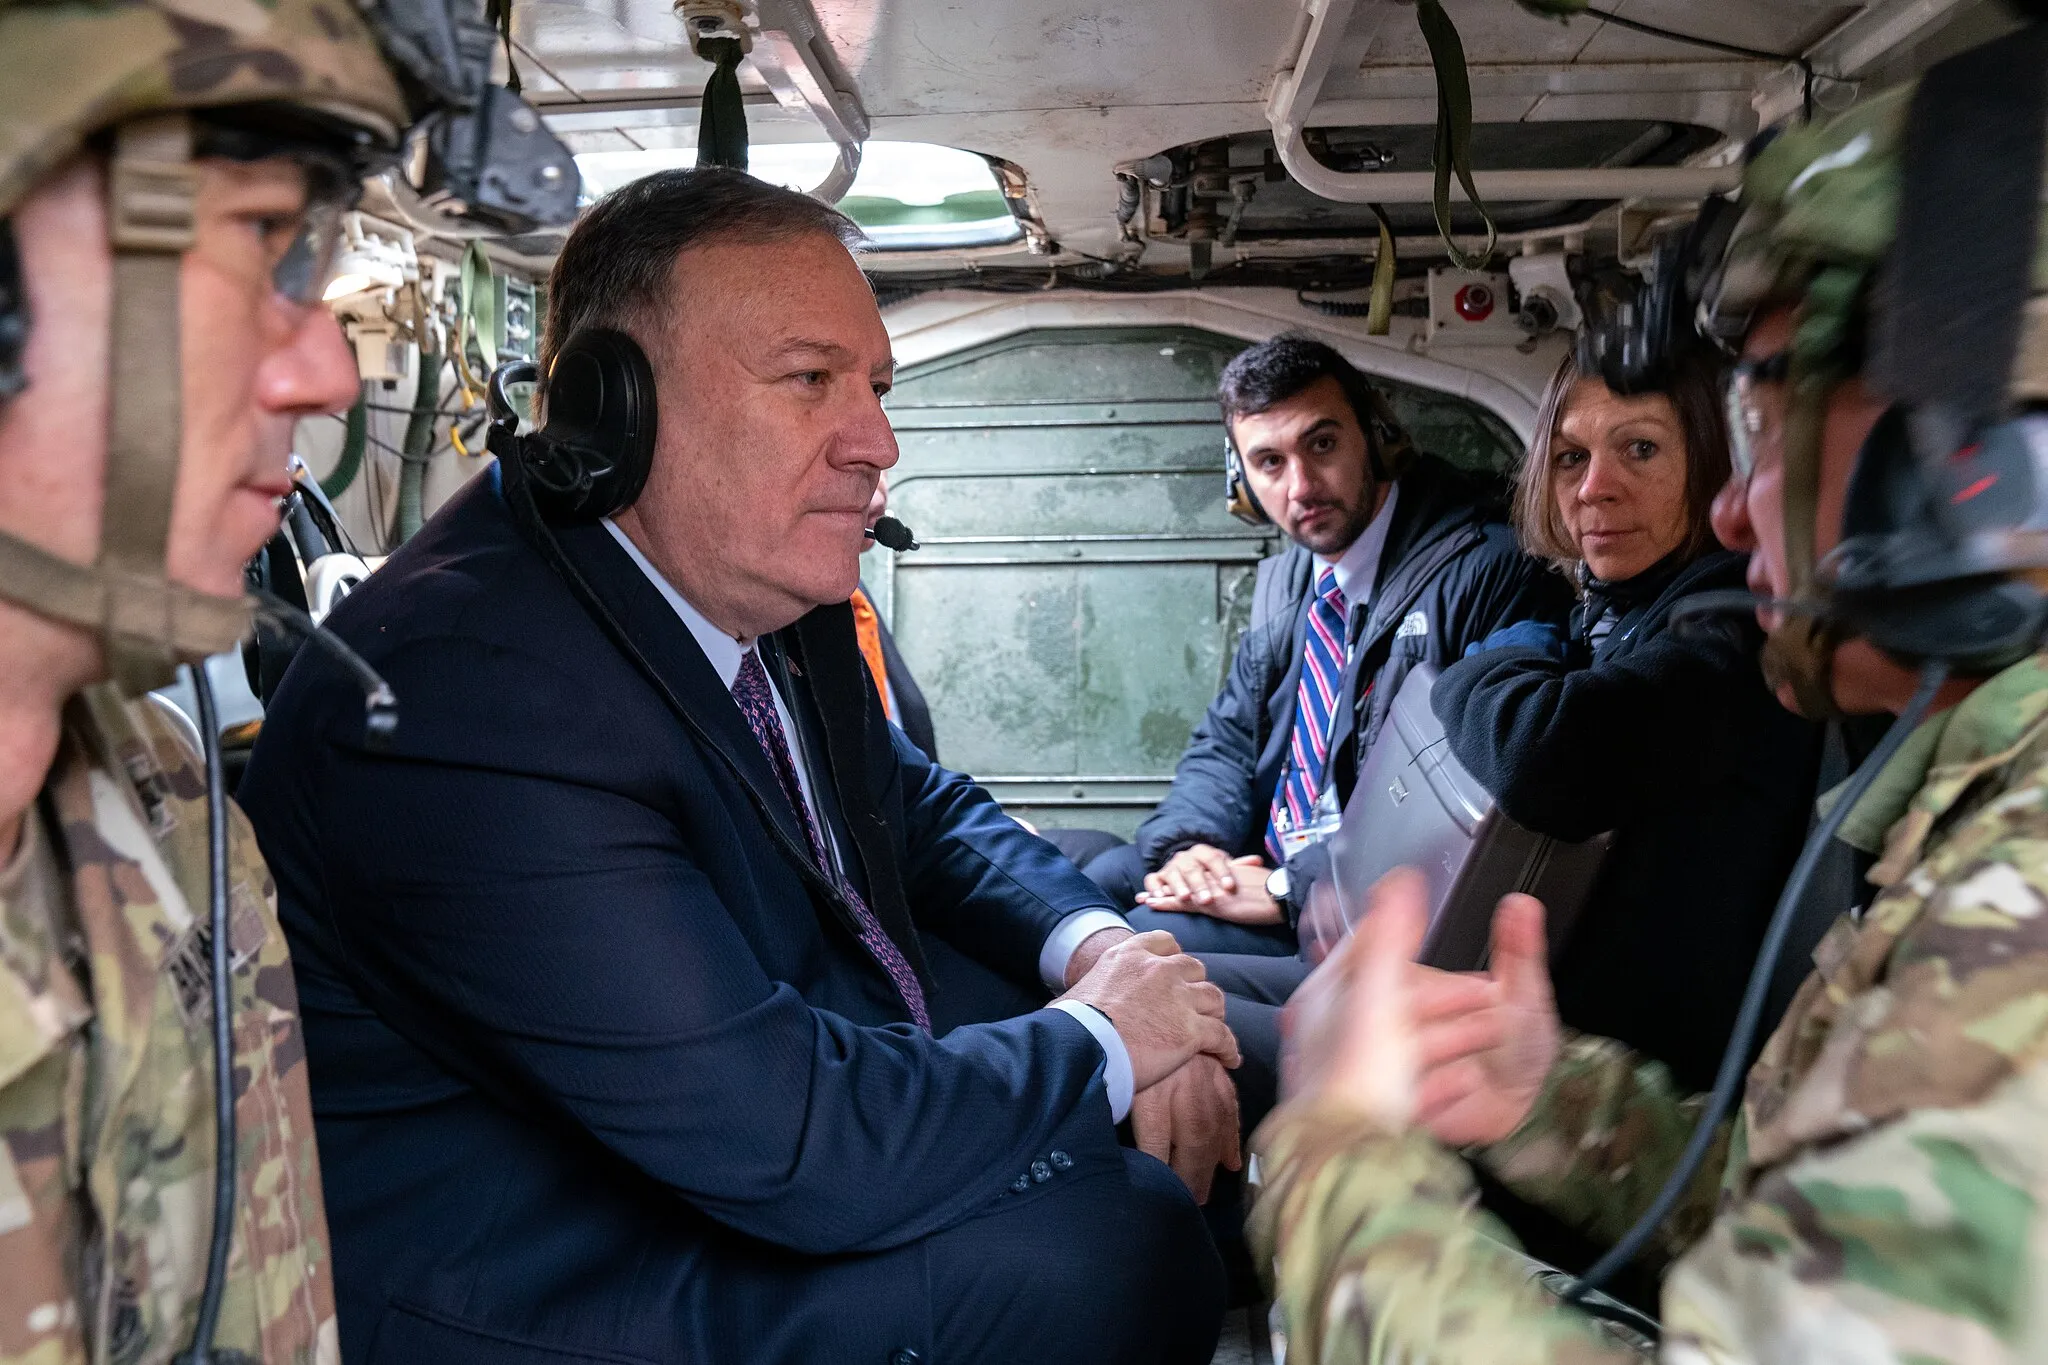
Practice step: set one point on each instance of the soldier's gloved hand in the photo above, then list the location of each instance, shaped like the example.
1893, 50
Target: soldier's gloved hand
1463, 1054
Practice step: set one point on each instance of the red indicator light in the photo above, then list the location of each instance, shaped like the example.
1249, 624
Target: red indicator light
1973, 490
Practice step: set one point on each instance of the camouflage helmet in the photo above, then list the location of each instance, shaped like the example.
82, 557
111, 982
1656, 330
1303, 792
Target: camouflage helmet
68, 70
1819, 213
339, 84
1947, 516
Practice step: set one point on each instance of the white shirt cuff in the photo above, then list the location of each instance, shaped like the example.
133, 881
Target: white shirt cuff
1116, 1070
1068, 935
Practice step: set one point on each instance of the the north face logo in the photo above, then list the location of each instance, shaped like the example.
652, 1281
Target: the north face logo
1414, 623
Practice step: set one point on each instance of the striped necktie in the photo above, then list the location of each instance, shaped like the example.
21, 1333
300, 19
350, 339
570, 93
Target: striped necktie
1322, 667
757, 703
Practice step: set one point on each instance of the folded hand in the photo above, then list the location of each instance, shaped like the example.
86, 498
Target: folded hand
1201, 880
1189, 1121
1160, 1003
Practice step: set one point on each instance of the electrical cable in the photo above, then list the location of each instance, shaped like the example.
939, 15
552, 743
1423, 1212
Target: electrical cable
200, 1352
380, 704
1755, 54
356, 424
1735, 1059
418, 448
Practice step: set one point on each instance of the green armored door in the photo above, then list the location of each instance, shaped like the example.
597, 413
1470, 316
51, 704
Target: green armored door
1081, 587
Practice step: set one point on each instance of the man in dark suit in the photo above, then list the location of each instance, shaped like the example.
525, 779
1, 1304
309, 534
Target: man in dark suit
1396, 559
678, 1009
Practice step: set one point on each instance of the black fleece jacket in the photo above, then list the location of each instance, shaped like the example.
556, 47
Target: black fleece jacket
1670, 738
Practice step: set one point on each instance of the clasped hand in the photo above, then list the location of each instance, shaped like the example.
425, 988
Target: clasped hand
1201, 880
1462, 1054
1170, 1018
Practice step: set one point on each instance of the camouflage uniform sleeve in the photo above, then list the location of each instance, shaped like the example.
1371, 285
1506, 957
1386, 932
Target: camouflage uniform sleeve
1377, 1253
1604, 1135
1915, 1242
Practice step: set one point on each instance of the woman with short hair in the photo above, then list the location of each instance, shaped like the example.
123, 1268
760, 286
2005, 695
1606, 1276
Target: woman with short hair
1666, 735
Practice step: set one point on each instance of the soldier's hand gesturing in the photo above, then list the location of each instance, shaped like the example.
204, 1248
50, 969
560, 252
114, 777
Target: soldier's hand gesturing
1462, 1054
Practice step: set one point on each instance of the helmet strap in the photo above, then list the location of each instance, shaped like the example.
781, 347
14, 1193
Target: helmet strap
1800, 650
149, 624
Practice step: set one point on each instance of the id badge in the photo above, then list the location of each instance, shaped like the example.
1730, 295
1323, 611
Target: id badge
1321, 824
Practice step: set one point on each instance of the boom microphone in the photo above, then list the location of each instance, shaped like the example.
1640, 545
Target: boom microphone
888, 531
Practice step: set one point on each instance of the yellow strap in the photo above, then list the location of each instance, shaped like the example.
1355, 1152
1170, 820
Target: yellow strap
1379, 315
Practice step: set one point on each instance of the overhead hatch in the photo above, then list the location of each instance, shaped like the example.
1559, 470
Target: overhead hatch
907, 196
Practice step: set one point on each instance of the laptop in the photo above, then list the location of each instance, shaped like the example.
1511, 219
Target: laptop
1415, 805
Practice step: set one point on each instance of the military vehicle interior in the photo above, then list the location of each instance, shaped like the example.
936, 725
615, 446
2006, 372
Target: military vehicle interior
1078, 213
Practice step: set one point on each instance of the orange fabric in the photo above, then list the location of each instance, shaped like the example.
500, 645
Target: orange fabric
868, 627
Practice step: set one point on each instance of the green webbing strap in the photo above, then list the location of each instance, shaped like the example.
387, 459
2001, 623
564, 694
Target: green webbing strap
354, 438
722, 121
1379, 315
476, 317
1453, 129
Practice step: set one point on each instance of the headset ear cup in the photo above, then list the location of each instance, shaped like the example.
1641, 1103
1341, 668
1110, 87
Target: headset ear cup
601, 424
1238, 497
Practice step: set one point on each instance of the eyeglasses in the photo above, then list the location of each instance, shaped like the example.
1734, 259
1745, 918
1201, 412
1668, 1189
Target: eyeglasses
1745, 414
303, 272
333, 186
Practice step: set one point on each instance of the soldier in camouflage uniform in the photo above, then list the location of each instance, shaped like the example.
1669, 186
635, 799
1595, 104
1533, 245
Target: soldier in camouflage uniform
1883, 1195
172, 177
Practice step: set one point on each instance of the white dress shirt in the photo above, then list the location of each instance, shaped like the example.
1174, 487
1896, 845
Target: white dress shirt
1358, 568
726, 653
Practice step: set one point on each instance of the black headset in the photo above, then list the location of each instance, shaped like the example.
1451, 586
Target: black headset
590, 459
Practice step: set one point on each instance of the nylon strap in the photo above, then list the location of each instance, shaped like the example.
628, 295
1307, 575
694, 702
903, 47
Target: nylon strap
476, 316
149, 625
1453, 153
722, 121
1379, 314
1800, 650
151, 197
142, 611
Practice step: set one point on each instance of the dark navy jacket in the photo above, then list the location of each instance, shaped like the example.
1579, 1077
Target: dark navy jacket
593, 1065
1450, 574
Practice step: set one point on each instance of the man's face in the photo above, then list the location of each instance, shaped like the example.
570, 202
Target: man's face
770, 370
255, 364
1305, 459
1750, 514
252, 364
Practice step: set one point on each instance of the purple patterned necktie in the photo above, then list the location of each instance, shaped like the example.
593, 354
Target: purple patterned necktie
757, 703
1322, 666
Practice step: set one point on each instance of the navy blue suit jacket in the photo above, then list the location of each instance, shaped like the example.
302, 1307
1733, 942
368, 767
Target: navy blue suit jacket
597, 1074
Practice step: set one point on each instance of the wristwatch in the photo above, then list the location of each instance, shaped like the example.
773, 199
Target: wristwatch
1278, 884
